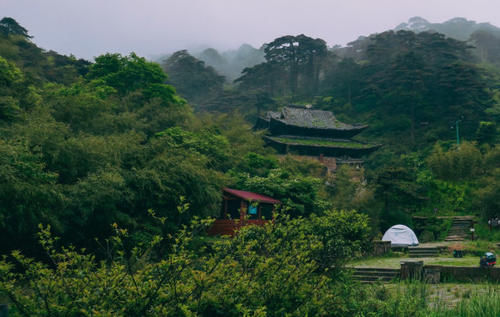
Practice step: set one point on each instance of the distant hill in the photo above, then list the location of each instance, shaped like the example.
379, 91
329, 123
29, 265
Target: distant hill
484, 37
457, 28
231, 63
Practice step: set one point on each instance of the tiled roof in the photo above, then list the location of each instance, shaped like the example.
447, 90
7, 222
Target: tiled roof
253, 197
309, 118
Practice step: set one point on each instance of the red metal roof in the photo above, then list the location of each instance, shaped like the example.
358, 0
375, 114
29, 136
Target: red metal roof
249, 196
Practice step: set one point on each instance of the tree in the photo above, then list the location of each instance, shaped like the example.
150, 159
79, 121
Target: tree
487, 46
131, 73
414, 85
296, 54
458, 163
343, 80
398, 189
194, 81
264, 76
10, 79
486, 132
9, 26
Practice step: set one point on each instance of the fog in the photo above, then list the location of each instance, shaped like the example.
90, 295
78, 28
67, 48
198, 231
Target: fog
154, 27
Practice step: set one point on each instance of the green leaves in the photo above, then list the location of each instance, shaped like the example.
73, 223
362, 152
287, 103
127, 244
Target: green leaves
9, 26
287, 267
194, 81
131, 73
458, 163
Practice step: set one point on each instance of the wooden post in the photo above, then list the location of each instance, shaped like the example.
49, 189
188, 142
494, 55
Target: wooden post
412, 270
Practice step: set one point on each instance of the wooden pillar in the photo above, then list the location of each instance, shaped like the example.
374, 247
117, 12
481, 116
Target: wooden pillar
243, 210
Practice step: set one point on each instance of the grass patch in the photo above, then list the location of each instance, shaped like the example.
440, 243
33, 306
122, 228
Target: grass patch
394, 262
420, 299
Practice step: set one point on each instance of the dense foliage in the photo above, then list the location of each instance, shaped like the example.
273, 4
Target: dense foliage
194, 81
289, 267
104, 147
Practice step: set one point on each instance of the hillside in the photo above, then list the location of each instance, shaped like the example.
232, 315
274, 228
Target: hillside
457, 28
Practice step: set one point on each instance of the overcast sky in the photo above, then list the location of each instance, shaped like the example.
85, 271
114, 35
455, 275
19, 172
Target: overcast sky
87, 28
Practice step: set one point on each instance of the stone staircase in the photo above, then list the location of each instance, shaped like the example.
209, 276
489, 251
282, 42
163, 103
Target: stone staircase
423, 252
372, 275
459, 230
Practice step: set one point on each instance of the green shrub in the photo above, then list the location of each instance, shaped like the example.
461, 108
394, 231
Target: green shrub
289, 267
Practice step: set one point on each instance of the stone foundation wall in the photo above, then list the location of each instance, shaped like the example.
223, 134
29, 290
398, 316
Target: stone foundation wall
464, 273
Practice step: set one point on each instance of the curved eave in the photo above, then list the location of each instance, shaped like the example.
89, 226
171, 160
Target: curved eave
347, 127
369, 146
316, 149
280, 127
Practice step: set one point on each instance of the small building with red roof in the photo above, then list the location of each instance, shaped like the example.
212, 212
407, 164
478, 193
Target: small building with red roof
241, 208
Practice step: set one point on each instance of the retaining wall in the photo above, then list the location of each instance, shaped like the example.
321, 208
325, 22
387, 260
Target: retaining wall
465, 273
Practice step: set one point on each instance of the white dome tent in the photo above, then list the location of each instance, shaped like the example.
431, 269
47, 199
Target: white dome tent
400, 236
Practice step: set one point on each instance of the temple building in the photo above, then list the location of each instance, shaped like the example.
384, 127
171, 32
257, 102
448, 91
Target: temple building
315, 133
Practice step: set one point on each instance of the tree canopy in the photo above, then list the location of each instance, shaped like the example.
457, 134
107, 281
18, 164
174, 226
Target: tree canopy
9, 26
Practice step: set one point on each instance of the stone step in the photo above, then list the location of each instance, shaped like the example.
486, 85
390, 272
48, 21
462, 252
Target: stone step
376, 274
376, 279
424, 255
459, 230
376, 270
457, 234
423, 252
454, 239
370, 275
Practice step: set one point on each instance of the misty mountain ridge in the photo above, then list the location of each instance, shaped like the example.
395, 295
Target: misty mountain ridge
458, 28
230, 63
484, 36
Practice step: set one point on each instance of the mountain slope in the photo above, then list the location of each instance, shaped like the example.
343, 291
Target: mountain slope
457, 28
